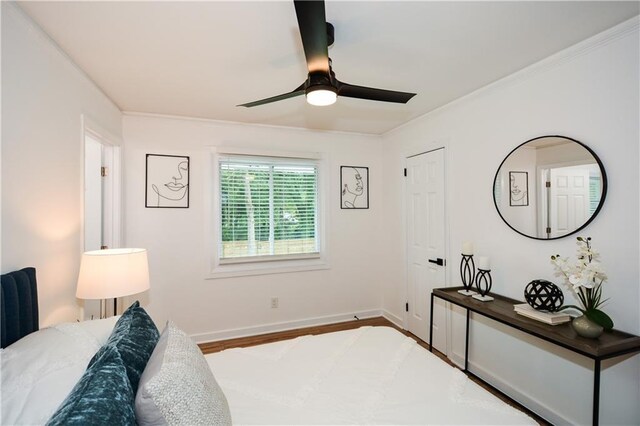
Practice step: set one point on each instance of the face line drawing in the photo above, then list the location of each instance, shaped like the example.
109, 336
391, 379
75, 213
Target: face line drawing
517, 195
357, 192
178, 189
175, 185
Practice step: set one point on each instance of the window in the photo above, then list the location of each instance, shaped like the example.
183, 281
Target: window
268, 209
595, 192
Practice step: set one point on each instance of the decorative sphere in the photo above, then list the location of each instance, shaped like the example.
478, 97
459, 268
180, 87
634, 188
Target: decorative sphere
543, 295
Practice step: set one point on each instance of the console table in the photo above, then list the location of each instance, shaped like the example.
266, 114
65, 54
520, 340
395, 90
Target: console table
611, 344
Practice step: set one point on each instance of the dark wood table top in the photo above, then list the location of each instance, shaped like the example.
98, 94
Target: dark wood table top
608, 345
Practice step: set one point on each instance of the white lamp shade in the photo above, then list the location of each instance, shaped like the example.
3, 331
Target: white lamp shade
106, 274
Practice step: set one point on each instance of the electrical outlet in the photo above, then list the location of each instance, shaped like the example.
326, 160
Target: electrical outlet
274, 302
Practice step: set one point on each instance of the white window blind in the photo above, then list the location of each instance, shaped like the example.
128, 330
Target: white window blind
268, 208
595, 192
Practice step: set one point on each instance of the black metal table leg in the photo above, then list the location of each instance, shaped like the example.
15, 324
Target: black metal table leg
466, 345
596, 393
431, 325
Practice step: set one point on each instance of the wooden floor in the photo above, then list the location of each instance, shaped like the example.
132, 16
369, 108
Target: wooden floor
212, 347
242, 342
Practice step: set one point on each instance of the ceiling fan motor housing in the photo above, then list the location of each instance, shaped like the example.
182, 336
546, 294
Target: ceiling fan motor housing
321, 89
330, 34
320, 80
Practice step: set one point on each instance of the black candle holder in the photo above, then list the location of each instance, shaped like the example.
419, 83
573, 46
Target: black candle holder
467, 274
483, 285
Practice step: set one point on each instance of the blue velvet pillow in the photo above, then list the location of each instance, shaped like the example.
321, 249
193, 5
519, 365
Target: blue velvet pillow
134, 336
102, 396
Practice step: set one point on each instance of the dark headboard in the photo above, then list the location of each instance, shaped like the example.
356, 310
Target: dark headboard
19, 300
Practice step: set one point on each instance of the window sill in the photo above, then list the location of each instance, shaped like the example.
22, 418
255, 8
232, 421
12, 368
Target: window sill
272, 258
229, 270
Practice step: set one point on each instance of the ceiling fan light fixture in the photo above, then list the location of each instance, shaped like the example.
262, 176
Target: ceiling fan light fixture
321, 95
321, 86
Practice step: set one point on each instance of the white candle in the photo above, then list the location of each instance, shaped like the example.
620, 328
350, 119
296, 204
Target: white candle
467, 248
483, 263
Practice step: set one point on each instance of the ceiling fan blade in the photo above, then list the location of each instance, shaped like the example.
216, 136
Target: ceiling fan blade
313, 31
296, 92
361, 92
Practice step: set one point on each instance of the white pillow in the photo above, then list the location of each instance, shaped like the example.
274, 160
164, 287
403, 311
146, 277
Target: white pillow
177, 387
39, 370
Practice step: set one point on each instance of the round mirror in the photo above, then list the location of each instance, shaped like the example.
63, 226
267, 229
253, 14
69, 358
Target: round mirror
549, 187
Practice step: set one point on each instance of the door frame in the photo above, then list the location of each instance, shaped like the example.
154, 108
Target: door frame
413, 151
114, 145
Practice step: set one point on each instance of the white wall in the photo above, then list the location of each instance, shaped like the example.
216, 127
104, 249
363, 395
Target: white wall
43, 97
589, 93
177, 238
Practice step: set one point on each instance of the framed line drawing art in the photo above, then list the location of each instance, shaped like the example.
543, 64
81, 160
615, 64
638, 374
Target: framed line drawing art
354, 187
518, 189
167, 181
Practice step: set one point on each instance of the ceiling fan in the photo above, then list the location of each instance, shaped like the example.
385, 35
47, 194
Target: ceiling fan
321, 86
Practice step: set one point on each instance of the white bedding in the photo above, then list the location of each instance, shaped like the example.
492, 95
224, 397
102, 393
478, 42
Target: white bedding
39, 370
371, 375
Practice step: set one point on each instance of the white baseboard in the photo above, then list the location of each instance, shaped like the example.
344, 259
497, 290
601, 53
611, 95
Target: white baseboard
283, 326
517, 394
513, 392
457, 359
397, 321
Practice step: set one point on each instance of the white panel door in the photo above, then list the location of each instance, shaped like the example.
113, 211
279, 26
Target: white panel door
569, 200
426, 241
93, 195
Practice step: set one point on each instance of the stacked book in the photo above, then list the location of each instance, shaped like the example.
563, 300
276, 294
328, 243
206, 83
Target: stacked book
552, 318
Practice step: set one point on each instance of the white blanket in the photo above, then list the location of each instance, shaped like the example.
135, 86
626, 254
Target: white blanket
371, 375
39, 370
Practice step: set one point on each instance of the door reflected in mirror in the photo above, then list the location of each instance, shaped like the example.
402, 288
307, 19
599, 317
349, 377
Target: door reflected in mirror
549, 187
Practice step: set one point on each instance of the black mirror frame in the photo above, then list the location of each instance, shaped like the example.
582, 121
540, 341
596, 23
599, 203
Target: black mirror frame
595, 213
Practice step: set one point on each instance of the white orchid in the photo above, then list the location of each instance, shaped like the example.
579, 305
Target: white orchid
585, 279
575, 280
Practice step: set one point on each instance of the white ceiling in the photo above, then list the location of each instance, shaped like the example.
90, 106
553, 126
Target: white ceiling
200, 59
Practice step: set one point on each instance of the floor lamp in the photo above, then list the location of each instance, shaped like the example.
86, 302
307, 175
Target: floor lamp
112, 273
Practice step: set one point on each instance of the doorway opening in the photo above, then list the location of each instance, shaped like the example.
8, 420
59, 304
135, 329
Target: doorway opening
101, 196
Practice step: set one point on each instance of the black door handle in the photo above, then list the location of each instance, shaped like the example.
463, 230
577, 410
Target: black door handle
438, 261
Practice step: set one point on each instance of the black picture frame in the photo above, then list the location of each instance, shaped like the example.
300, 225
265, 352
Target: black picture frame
164, 181
518, 197
352, 197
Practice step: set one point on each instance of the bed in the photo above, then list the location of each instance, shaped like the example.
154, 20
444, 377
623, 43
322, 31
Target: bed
370, 375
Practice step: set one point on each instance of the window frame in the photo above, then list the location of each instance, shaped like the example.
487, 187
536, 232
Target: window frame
259, 265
